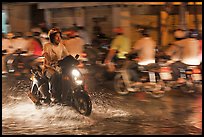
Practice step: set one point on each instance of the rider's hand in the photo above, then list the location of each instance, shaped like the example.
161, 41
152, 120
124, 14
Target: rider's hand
107, 61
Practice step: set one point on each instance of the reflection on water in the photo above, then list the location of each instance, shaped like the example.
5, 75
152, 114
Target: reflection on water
112, 114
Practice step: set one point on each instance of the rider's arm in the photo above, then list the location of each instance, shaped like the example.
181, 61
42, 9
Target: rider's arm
171, 50
110, 55
137, 46
112, 50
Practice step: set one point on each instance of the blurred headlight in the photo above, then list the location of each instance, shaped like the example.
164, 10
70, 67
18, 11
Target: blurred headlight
75, 73
77, 77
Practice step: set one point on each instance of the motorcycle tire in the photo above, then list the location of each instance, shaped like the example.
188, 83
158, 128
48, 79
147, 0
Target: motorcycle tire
119, 85
158, 94
191, 88
82, 103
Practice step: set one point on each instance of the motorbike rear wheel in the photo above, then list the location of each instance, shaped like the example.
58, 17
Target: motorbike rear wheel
119, 85
157, 90
82, 103
191, 88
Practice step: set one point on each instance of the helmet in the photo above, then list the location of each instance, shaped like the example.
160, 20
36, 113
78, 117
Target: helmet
193, 33
179, 34
144, 32
10, 35
118, 30
52, 33
71, 33
28, 34
18, 34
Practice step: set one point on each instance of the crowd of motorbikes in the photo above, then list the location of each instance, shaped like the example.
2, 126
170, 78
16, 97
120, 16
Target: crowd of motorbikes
155, 79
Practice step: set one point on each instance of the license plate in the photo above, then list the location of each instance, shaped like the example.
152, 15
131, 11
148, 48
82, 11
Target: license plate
165, 76
196, 77
152, 77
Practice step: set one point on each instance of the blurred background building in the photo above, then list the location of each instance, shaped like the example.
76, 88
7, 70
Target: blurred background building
161, 17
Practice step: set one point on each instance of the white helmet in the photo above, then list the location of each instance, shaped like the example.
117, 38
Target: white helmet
44, 35
179, 33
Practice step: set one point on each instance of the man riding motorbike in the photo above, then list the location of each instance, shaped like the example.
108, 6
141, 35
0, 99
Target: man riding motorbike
119, 47
53, 52
145, 47
188, 49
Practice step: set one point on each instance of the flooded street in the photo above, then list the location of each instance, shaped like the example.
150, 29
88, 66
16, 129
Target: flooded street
112, 114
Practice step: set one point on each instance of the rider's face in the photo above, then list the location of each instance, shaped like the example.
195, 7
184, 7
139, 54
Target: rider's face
57, 38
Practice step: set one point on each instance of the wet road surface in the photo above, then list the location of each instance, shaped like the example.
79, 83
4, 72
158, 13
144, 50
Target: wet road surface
135, 114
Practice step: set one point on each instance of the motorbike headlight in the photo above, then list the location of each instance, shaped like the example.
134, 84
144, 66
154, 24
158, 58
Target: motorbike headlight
75, 73
77, 76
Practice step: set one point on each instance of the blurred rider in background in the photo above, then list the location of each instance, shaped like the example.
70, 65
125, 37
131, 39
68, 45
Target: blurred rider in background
120, 46
145, 48
188, 48
74, 44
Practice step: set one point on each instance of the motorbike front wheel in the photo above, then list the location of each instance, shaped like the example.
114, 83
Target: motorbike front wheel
119, 85
157, 91
82, 103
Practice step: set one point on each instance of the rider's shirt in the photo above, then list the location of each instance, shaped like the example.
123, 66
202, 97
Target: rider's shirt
189, 51
146, 47
122, 44
55, 52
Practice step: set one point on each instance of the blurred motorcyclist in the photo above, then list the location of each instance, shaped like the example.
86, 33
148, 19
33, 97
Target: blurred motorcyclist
173, 50
34, 47
145, 47
6, 44
14, 41
75, 44
188, 49
19, 42
119, 47
44, 38
84, 35
54, 51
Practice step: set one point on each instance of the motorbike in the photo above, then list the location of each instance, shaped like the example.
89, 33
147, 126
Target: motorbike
77, 94
192, 76
148, 75
15, 62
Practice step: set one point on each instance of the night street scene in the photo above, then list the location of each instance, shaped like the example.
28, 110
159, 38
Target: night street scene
102, 68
